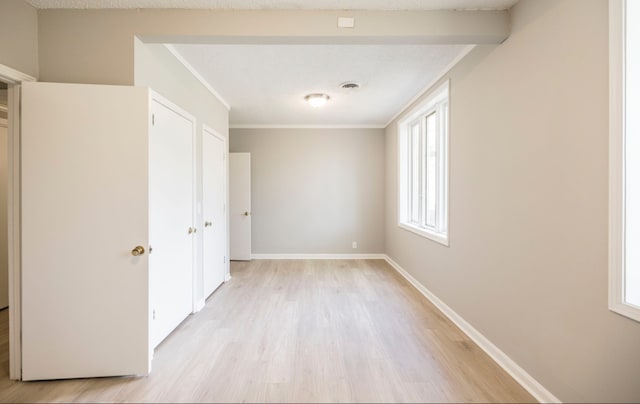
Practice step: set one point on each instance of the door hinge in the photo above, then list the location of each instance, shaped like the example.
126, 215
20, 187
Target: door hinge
153, 119
224, 260
150, 249
154, 314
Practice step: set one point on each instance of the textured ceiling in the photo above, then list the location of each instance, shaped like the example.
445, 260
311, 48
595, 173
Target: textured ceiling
284, 4
266, 84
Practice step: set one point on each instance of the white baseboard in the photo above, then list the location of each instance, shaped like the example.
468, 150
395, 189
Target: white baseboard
318, 256
227, 277
199, 305
520, 375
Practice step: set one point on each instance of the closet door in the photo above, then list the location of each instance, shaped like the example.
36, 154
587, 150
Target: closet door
240, 206
171, 225
84, 208
213, 207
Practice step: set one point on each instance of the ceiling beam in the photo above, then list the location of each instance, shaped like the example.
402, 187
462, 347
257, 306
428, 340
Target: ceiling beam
320, 27
97, 46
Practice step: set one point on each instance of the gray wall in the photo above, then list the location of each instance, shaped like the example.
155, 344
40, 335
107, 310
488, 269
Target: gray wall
315, 191
527, 262
19, 36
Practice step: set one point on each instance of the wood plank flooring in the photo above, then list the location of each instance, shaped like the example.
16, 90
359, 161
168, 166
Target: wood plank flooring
300, 331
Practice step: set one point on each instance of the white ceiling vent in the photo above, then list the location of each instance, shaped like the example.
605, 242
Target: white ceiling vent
350, 85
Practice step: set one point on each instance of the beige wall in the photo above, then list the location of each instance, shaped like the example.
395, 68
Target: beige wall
527, 262
315, 191
19, 36
97, 46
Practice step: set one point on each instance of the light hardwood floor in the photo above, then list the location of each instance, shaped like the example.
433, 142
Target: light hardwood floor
300, 331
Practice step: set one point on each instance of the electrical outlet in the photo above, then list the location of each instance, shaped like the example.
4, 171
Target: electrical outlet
354, 244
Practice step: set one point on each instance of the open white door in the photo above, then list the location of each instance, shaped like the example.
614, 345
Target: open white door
213, 200
240, 205
85, 297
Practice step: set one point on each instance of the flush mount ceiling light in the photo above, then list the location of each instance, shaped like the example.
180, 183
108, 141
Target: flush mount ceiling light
317, 99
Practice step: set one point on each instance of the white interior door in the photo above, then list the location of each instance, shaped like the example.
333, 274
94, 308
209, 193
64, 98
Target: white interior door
4, 230
84, 171
213, 201
171, 229
240, 205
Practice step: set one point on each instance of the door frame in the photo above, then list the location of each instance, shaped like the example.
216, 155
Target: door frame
225, 165
14, 78
197, 262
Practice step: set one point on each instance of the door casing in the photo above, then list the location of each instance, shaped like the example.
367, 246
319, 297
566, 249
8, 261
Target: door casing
14, 78
208, 131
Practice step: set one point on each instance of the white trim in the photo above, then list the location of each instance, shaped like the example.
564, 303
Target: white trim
616, 129
435, 81
616, 162
437, 95
538, 391
12, 76
156, 96
318, 256
304, 126
199, 305
210, 130
15, 236
197, 75
426, 233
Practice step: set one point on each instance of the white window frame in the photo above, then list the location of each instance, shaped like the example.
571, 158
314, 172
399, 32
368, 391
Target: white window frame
617, 34
438, 103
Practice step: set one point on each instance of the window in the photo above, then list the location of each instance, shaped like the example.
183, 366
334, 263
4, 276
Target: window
624, 158
423, 144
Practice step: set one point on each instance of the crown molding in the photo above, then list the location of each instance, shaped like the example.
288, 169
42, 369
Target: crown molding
197, 75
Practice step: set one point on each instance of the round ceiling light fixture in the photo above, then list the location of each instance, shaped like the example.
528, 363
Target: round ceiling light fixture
317, 99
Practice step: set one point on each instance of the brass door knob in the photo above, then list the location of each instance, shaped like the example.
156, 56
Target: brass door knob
139, 250
247, 213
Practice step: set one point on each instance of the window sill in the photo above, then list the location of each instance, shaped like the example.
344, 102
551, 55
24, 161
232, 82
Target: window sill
626, 310
437, 237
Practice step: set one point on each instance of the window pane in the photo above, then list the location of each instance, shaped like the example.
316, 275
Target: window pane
632, 154
414, 208
422, 168
431, 180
